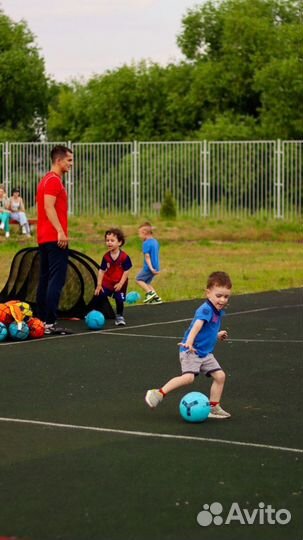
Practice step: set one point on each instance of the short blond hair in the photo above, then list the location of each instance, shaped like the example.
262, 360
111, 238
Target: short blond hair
147, 226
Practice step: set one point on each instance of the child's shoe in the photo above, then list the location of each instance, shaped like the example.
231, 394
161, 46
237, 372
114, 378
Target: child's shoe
55, 330
156, 300
149, 297
153, 398
7, 235
1, 225
217, 412
120, 321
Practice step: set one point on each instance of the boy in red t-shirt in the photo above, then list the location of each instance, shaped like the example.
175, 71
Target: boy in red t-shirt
52, 237
113, 273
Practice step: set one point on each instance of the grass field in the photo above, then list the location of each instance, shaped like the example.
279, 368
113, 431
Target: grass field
259, 254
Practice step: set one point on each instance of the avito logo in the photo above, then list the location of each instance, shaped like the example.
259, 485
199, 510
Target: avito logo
262, 515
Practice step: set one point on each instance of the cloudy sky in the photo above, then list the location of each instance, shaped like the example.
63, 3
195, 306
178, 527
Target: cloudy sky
78, 38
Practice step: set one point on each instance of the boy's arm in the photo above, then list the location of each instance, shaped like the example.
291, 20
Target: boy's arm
222, 335
123, 279
99, 287
149, 264
192, 335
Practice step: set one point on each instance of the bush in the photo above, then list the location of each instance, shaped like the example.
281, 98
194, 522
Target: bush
168, 207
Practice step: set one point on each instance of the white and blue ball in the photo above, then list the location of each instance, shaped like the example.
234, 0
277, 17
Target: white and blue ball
194, 407
95, 320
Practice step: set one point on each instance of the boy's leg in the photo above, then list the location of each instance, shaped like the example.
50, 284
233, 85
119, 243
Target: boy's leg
154, 397
177, 382
144, 279
145, 286
216, 391
217, 386
119, 297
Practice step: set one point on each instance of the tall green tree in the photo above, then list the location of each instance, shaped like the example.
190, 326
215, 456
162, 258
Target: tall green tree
143, 102
23, 82
242, 78
237, 48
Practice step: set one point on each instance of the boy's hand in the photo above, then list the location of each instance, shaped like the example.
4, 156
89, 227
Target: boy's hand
222, 335
98, 289
118, 286
188, 346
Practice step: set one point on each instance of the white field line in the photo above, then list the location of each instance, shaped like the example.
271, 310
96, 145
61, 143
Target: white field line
241, 340
149, 435
161, 323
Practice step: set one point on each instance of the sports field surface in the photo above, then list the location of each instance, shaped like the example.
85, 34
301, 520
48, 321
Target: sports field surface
82, 457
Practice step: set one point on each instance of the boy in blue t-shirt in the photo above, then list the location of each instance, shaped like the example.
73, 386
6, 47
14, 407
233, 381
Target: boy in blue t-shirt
196, 349
151, 265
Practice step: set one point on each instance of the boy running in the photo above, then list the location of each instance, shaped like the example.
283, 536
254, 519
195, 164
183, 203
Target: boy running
151, 265
196, 349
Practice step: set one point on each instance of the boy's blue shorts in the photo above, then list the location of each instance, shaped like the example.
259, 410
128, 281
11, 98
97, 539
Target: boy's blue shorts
145, 275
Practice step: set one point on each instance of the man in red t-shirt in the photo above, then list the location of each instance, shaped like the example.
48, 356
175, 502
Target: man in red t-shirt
52, 235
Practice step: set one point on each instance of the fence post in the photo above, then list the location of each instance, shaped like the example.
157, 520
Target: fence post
279, 184
6, 167
135, 183
70, 184
204, 181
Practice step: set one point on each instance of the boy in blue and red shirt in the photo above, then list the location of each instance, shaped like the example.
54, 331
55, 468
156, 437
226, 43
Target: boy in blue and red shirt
196, 349
113, 273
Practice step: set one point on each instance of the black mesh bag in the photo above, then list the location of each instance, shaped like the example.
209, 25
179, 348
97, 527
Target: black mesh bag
77, 296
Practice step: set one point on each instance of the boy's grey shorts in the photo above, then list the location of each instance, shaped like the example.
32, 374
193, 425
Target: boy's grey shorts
192, 363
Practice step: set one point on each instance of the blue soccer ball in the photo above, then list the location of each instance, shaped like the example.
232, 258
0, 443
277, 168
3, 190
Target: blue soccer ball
132, 297
95, 320
194, 407
18, 331
3, 332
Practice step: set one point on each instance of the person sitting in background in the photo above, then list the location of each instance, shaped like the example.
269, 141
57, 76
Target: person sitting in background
16, 207
4, 212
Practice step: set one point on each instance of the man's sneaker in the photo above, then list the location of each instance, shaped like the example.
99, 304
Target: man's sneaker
149, 297
23, 228
153, 398
156, 300
54, 330
120, 321
217, 412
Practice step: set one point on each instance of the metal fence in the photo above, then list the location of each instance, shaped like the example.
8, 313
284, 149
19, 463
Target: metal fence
205, 178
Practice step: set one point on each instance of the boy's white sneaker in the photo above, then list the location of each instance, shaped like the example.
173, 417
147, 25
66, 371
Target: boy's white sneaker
7, 235
1, 225
120, 321
153, 398
217, 412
